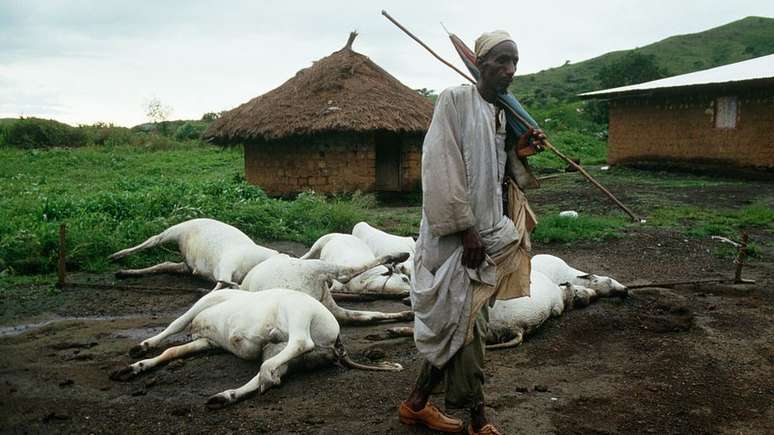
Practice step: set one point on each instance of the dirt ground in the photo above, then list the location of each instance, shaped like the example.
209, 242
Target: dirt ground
685, 360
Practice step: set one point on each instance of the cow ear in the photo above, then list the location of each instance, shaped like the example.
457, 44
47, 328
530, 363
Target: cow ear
586, 276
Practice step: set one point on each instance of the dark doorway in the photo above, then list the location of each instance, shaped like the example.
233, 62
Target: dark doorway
388, 169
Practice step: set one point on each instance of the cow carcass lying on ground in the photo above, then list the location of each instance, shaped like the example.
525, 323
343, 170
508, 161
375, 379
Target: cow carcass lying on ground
554, 288
511, 320
315, 278
212, 249
560, 272
274, 326
382, 243
348, 250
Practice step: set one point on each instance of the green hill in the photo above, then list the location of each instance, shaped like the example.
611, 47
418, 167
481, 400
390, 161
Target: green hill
740, 40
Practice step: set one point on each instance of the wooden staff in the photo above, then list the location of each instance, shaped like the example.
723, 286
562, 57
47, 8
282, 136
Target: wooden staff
546, 143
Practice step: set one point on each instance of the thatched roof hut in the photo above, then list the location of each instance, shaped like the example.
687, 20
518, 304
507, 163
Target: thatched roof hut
344, 118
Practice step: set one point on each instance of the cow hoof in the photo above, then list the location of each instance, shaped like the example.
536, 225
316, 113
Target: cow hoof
408, 315
123, 374
217, 402
138, 351
406, 301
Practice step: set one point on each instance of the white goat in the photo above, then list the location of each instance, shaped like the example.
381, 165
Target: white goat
212, 249
382, 243
560, 272
315, 278
274, 326
348, 250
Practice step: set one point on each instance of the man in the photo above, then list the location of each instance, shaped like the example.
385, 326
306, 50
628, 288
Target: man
468, 252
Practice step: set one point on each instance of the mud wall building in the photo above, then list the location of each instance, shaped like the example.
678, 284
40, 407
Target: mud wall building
720, 116
341, 125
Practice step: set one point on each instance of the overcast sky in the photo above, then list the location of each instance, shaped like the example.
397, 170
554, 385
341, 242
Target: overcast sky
86, 61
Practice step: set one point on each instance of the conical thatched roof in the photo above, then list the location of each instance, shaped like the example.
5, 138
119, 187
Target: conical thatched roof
345, 91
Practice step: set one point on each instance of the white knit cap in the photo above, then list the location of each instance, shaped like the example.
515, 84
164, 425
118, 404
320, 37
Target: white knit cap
488, 40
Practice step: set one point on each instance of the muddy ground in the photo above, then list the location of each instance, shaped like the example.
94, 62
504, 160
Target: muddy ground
685, 360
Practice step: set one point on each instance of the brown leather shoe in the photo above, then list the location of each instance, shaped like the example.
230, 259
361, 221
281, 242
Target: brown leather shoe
430, 416
488, 429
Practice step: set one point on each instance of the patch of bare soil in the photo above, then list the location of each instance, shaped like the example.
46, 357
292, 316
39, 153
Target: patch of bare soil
690, 360
695, 359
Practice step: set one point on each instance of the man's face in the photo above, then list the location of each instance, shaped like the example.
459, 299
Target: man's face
498, 66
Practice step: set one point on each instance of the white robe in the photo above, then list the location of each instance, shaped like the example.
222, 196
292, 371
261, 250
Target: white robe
463, 165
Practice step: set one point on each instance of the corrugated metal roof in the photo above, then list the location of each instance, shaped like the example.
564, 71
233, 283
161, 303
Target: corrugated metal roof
752, 69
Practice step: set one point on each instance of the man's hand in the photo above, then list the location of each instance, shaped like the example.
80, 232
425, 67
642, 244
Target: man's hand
523, 147
472, 248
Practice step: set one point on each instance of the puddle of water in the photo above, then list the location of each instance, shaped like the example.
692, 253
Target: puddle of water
140, 334
14, 330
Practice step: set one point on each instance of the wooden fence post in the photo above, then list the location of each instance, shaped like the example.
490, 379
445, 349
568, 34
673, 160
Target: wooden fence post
62, 255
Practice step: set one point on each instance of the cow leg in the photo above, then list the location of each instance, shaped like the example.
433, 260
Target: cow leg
356, 317
225, 284
515, 341
174, 352
345, 274
151, 242
272, 369
400, 331
180, 323
165, 267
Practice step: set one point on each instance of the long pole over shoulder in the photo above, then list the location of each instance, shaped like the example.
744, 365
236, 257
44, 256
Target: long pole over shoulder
522, 120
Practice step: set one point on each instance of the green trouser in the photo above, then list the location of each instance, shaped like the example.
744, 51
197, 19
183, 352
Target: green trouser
463, 373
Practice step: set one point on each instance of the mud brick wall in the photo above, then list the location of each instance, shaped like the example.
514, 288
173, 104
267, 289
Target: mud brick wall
330, 164
682, 128
411, 165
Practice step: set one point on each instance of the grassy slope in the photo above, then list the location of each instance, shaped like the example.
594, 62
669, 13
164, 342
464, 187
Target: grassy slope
733, 42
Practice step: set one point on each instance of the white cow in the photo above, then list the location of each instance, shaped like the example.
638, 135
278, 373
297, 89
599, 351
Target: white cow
348, 250
212, 249
560, 272
274, 326
511, 320
382, 243
315, 278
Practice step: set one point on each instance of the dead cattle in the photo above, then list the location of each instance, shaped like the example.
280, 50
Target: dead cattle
348, 250
383, 243
560, 272
275, 326
212, 249
511, 320
316, 278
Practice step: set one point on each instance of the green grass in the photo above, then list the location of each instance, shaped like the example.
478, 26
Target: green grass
114, 197
700, 222
553, 228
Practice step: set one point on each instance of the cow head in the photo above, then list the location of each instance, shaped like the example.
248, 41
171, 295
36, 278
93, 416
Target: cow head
577, 296
388, 283
603, 285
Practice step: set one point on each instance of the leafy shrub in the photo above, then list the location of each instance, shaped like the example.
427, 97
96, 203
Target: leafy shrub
190, 131
42, 133
109, 135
